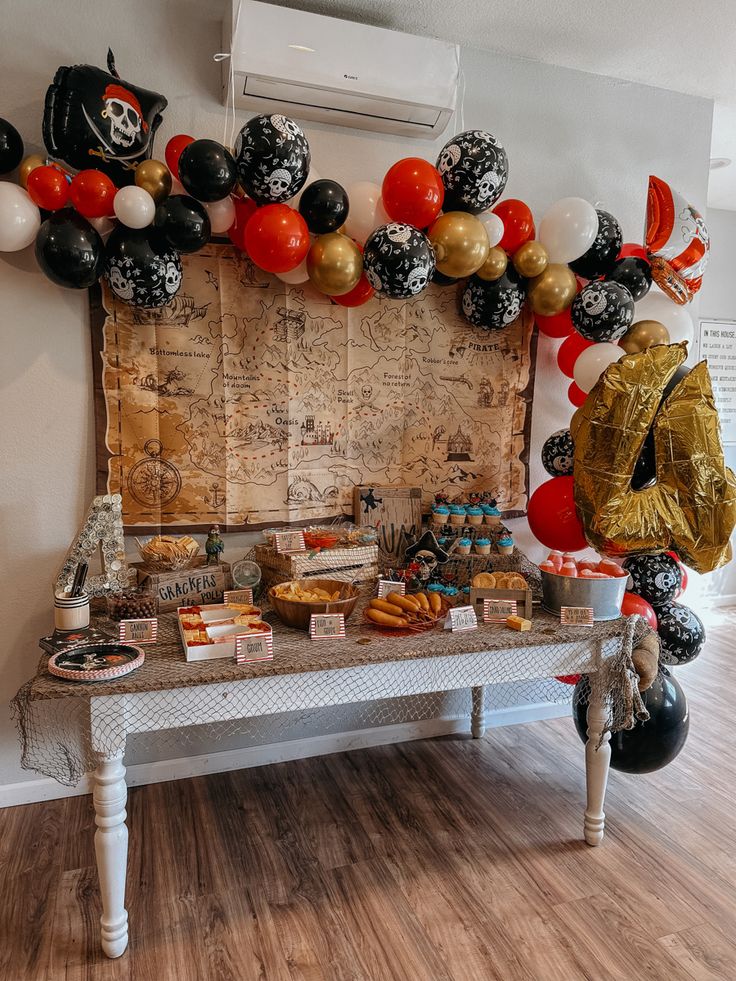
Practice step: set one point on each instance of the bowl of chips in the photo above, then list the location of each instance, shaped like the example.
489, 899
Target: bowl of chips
168, 553
296, 601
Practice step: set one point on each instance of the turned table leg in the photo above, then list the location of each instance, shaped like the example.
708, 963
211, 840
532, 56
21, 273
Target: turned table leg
111, 847
596, 771
477, 717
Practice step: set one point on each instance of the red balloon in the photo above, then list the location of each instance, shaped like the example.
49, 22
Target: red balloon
576, 395
559, 325
245, 208
635, 604
48, 188
632, 249
518, 224
570, 350
568, 679
552, 517
413, 192
358, 295
92, 194
173, 151
276, 238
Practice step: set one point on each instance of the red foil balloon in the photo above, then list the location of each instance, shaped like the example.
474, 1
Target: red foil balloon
276, 238
552, 517
245, 208
48, 188
173, 151
413, 192
358, 295
559, 325
570, 350
635, 604
518, 224
92, 194
576, 395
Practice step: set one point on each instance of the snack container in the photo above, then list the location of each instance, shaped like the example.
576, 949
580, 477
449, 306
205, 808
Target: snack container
71, 612
219, 630
603, 596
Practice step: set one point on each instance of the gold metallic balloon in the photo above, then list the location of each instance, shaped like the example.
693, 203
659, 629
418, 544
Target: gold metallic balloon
553, 291
643, 334
495, 265
28, 164
530, 259
154, 177
334, 264
460, 244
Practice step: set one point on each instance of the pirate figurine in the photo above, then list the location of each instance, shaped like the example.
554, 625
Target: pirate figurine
214, 546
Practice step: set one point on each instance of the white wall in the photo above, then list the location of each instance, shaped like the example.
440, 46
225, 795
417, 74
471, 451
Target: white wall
565, 133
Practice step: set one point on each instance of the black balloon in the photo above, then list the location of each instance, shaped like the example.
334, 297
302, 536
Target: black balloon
69, 250
94, 119
140, 269
494, 304
324, 206
441, 279
650, 745
207, 170
11, 147
601, 256
656, 578
645, 469
681, 633
557, 453
273, 158
634, 273
474, 169
398, 260
602, 311
182, 223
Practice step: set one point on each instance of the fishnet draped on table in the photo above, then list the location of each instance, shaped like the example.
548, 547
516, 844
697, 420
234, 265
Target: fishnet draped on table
62, 736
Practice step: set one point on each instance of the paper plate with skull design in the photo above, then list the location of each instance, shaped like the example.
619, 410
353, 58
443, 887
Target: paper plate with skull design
96, 662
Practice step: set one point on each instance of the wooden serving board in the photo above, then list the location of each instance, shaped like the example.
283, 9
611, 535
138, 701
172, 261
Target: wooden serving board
391, 509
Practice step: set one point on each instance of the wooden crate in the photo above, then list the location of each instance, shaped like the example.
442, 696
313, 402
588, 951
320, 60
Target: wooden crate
523, 599
188, 587
359, 563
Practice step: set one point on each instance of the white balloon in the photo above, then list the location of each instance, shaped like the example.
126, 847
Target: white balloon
297, 275
312, 176
568, 229
592, 362
20, 219
222, 214
134, 207
366, 211
656, 305
493, 226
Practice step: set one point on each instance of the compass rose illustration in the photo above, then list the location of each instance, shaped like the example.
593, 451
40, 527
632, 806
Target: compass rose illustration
154, 482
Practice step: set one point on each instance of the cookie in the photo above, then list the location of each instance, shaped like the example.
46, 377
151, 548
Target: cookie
515, 581
502, 580
484, 580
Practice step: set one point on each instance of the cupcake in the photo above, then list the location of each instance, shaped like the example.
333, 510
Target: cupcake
451, 590
435, 587
483, 546
464, 545
491, 515
457, 514
505, 545
440, 514
475, 514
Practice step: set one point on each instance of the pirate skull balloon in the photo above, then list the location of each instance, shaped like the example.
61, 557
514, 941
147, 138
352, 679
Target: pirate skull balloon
140, 269
557, 453
601, 256
656, 578
94, 119
398, 260
474, 169
681, 633
602, 311
495, 304
273, 157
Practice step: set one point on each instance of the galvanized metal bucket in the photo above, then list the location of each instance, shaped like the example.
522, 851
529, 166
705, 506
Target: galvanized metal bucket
603, 596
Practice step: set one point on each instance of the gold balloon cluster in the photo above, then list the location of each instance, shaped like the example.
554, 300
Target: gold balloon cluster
154, 177
334, 264
460, 244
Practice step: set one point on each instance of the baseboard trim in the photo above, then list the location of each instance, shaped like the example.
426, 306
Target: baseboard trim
140, 774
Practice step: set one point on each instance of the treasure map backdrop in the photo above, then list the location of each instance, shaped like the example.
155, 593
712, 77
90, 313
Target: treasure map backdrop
251, 403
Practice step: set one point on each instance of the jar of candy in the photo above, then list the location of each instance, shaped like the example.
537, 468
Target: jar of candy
132, 604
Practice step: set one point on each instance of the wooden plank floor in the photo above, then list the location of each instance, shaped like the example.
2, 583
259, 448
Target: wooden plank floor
444, 860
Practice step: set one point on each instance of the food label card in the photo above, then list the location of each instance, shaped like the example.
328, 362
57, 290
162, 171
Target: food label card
326, 626
496, 611
386, 586
576, 616
253, 647
143, 631
461, 618
289, 541
236, 596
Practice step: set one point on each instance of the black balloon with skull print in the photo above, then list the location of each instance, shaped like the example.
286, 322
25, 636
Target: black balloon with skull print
601, 256
474, 169
398, 260
681, 633
140, 269
93, 118
557, 454
273, 157
602, 311
656, 578
494, 304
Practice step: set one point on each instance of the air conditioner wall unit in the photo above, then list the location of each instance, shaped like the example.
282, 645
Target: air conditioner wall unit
337, 71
